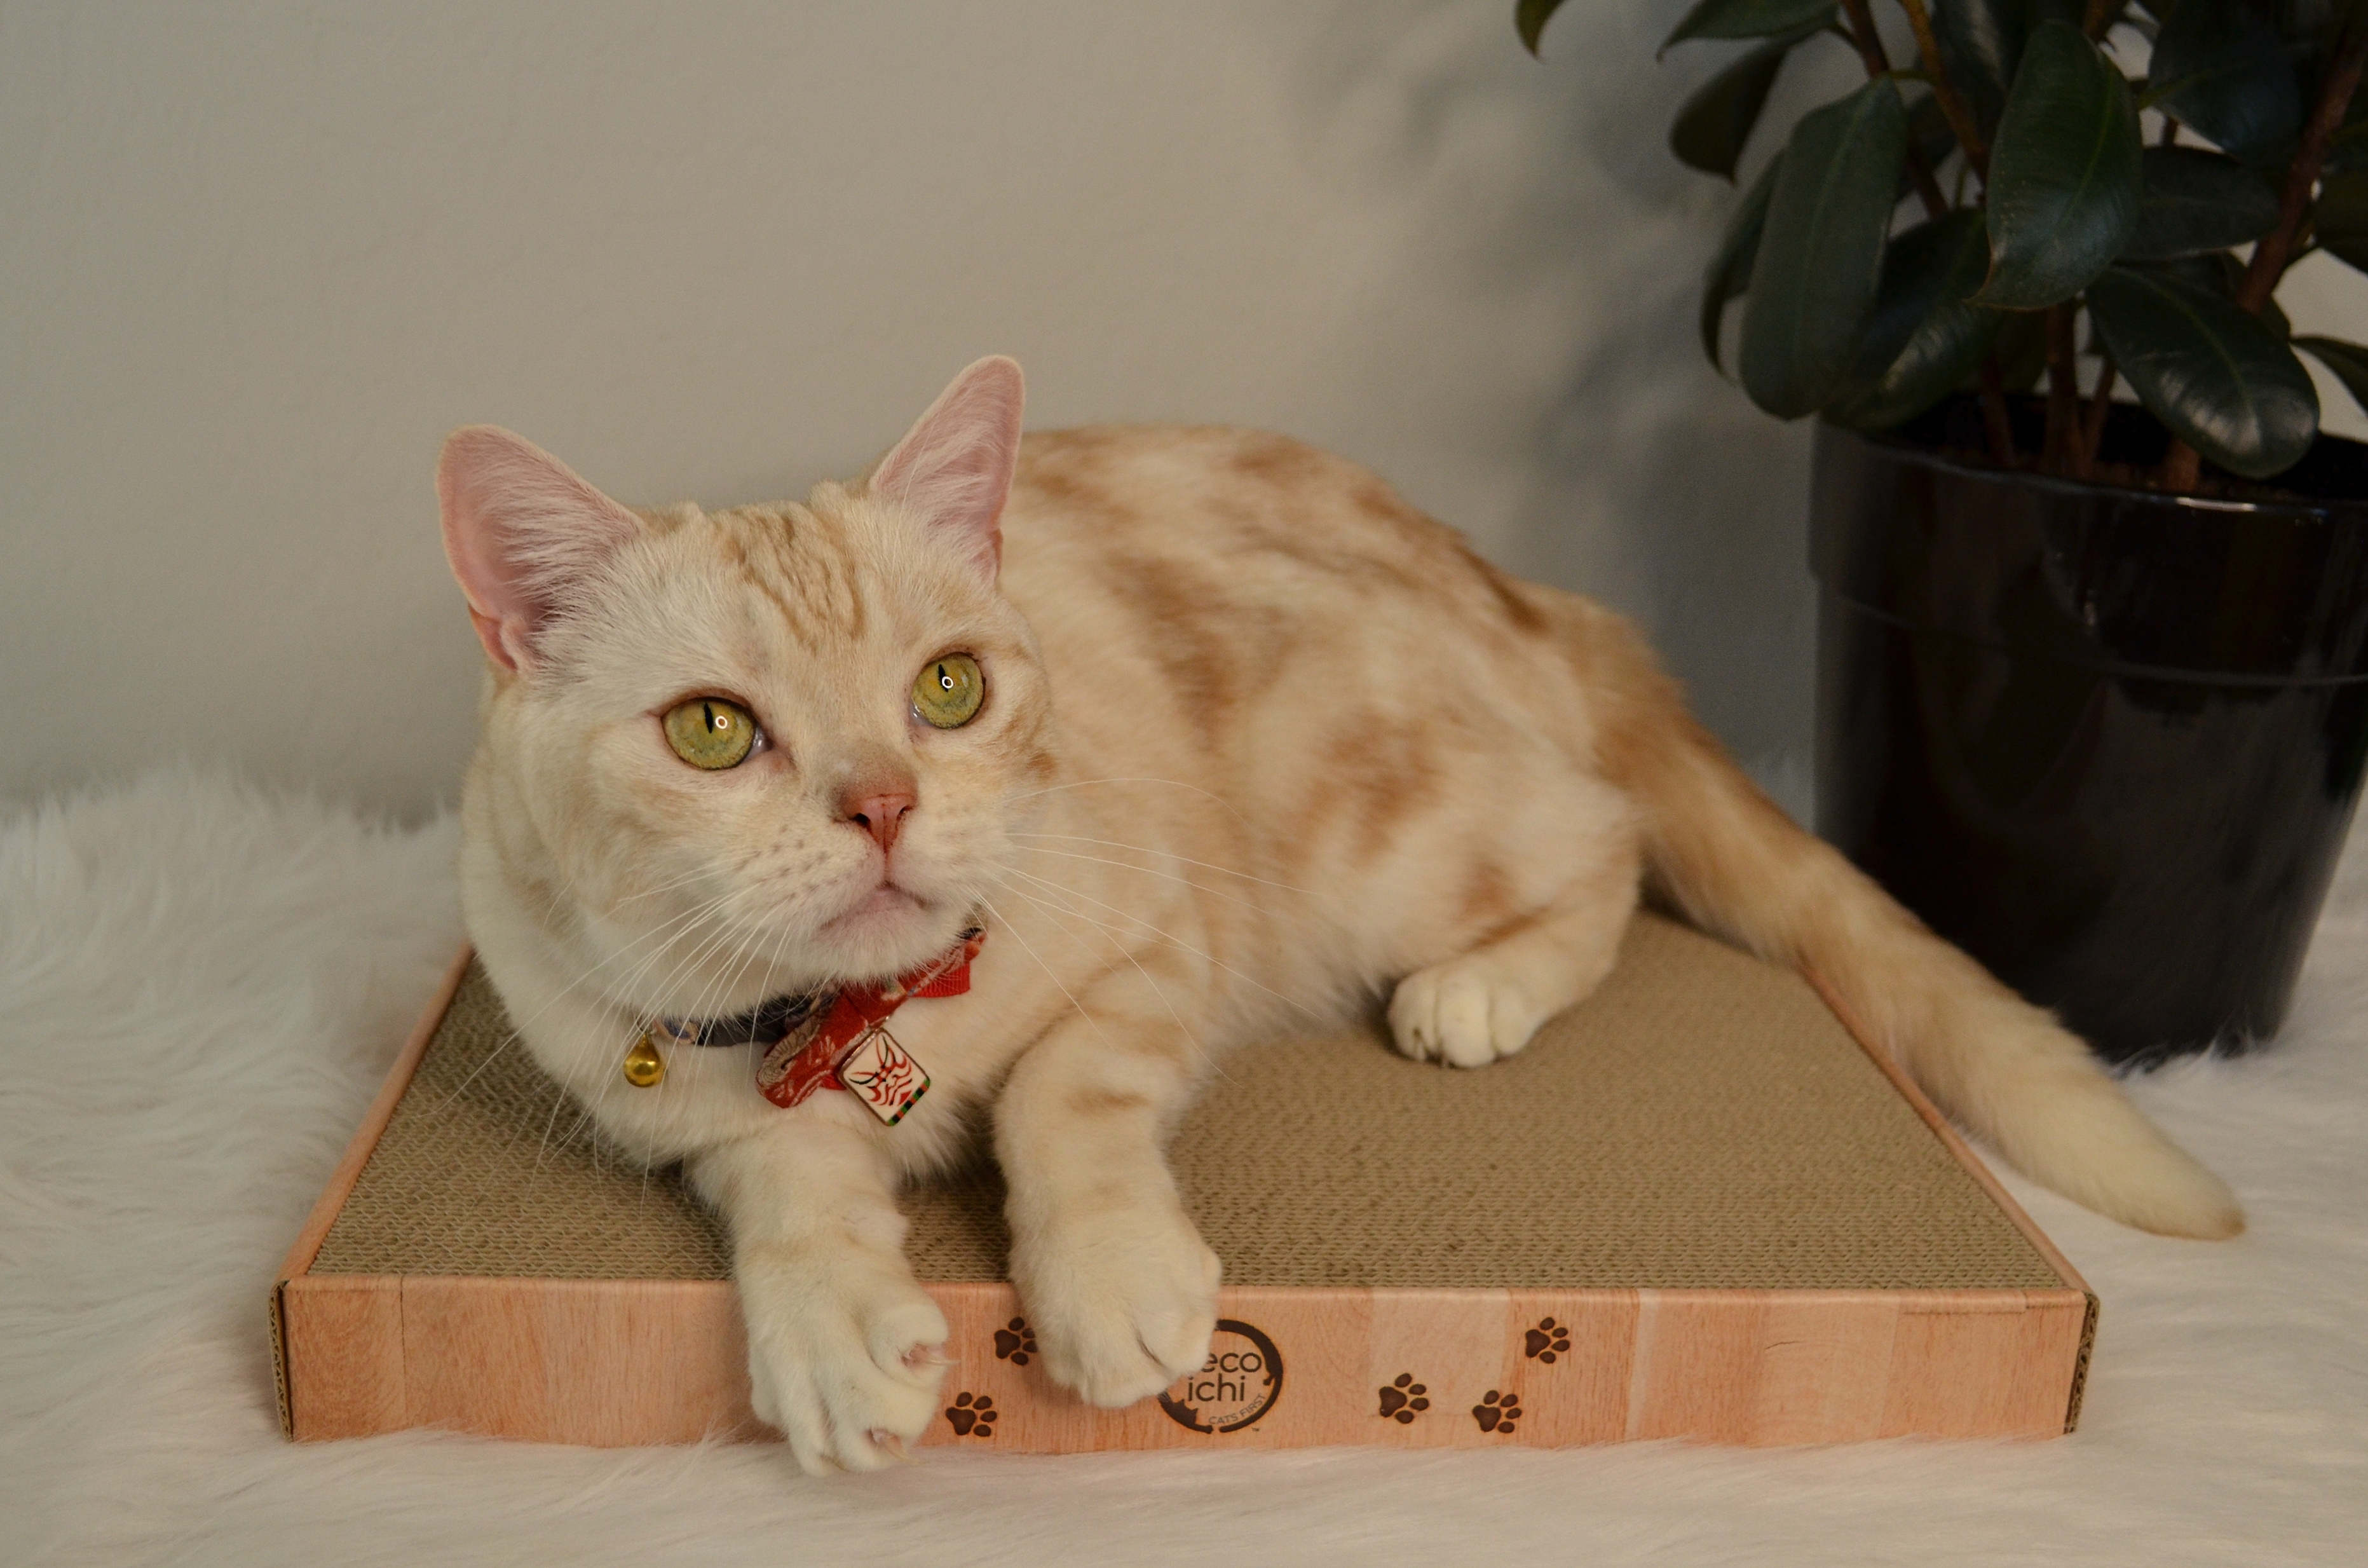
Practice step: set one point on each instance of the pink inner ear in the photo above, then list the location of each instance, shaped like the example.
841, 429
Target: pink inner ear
522, 532
954, 466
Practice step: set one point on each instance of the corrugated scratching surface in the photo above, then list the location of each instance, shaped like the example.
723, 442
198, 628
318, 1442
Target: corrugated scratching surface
486, 1168
1700, 1123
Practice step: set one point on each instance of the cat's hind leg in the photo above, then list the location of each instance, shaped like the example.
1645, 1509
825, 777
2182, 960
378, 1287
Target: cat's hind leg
1484, 1003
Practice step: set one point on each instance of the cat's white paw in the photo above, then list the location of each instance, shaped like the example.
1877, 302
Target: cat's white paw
845, 1355
1123, 1305
1466, 1012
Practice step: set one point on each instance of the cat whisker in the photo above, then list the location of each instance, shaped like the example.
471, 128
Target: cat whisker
1005, 921
664, 887
1169, 876
725, 932
713, 907
734, 931
1167, 854
519, 1026
1172, 940
737, 928
1087, 783
1191, 1038
772, 958
657, 953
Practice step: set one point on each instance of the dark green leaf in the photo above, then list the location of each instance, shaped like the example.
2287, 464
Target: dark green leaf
1919, 273
2347, 361
1821, 257
1716, 121
1529, 19
2348, 152
1750, 18
2356, 111
2197, 201
2064, 176
2217, 375
2220, 68
2275, 320
2023, 349
1923, 338
2219, 273
1928, 132
2340, 221
1981, 42
1730, 269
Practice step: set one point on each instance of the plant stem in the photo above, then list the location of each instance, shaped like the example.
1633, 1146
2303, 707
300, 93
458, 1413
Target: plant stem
1994, 419
2061, 446
1878, 63
1944, 92
2268, 262
2170, 137
2100, 403
2180, 466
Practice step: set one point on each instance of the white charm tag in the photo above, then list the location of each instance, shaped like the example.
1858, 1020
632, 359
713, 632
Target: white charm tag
883, 1074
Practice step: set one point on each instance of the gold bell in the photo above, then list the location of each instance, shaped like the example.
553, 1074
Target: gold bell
644, 1065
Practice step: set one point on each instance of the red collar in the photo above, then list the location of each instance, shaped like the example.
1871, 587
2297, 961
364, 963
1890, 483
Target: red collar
847, 1045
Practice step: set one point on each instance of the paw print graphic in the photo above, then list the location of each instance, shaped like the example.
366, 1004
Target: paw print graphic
971, 1415
1546, 1341
1015, 1343
1402, 1400
1497, 1412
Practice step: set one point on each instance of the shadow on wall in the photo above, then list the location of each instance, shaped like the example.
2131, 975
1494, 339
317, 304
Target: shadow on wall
1652, 483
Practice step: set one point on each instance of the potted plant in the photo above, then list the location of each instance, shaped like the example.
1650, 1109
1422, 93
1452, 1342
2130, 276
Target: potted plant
2093, 674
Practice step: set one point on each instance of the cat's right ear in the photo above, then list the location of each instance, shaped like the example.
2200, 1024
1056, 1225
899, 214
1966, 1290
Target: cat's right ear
522, 531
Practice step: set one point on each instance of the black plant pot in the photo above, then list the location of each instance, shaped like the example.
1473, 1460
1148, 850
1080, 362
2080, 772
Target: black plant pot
2107, 741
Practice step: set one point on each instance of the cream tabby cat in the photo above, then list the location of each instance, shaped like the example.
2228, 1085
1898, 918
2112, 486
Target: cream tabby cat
1210, 730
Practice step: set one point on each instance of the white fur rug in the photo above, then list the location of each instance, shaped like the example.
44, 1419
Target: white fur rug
201, 988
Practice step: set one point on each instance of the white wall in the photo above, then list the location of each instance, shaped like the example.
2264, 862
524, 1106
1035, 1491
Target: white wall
256, 258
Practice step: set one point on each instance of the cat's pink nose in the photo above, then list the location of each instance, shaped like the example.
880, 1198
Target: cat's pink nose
880, 814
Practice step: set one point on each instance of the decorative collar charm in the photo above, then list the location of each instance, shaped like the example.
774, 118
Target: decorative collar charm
823, 1040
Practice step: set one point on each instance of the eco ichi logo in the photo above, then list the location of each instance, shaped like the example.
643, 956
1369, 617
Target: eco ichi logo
1239, 1382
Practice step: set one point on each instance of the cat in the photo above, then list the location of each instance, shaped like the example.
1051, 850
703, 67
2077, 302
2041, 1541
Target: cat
1211, 735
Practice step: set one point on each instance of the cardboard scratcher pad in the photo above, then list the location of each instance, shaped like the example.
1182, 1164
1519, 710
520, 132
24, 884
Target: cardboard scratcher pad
1694, 1207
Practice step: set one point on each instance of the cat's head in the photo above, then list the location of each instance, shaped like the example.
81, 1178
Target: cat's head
734, 754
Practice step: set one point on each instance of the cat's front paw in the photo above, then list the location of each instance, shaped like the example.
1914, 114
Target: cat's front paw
845, 1353
1466, 1012
1123, 1304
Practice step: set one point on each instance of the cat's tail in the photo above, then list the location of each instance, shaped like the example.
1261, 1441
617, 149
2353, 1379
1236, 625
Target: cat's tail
1735, 864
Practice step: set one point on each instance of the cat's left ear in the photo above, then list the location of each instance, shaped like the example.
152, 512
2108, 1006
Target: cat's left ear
954, 466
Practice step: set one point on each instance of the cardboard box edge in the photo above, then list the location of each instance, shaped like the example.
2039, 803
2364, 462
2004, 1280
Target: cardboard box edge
340, 1186
1951, 1140
623, 1324
2081, 1364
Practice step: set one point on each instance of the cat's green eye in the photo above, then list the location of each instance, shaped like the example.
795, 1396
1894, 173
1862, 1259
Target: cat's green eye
949, 691
708, 732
